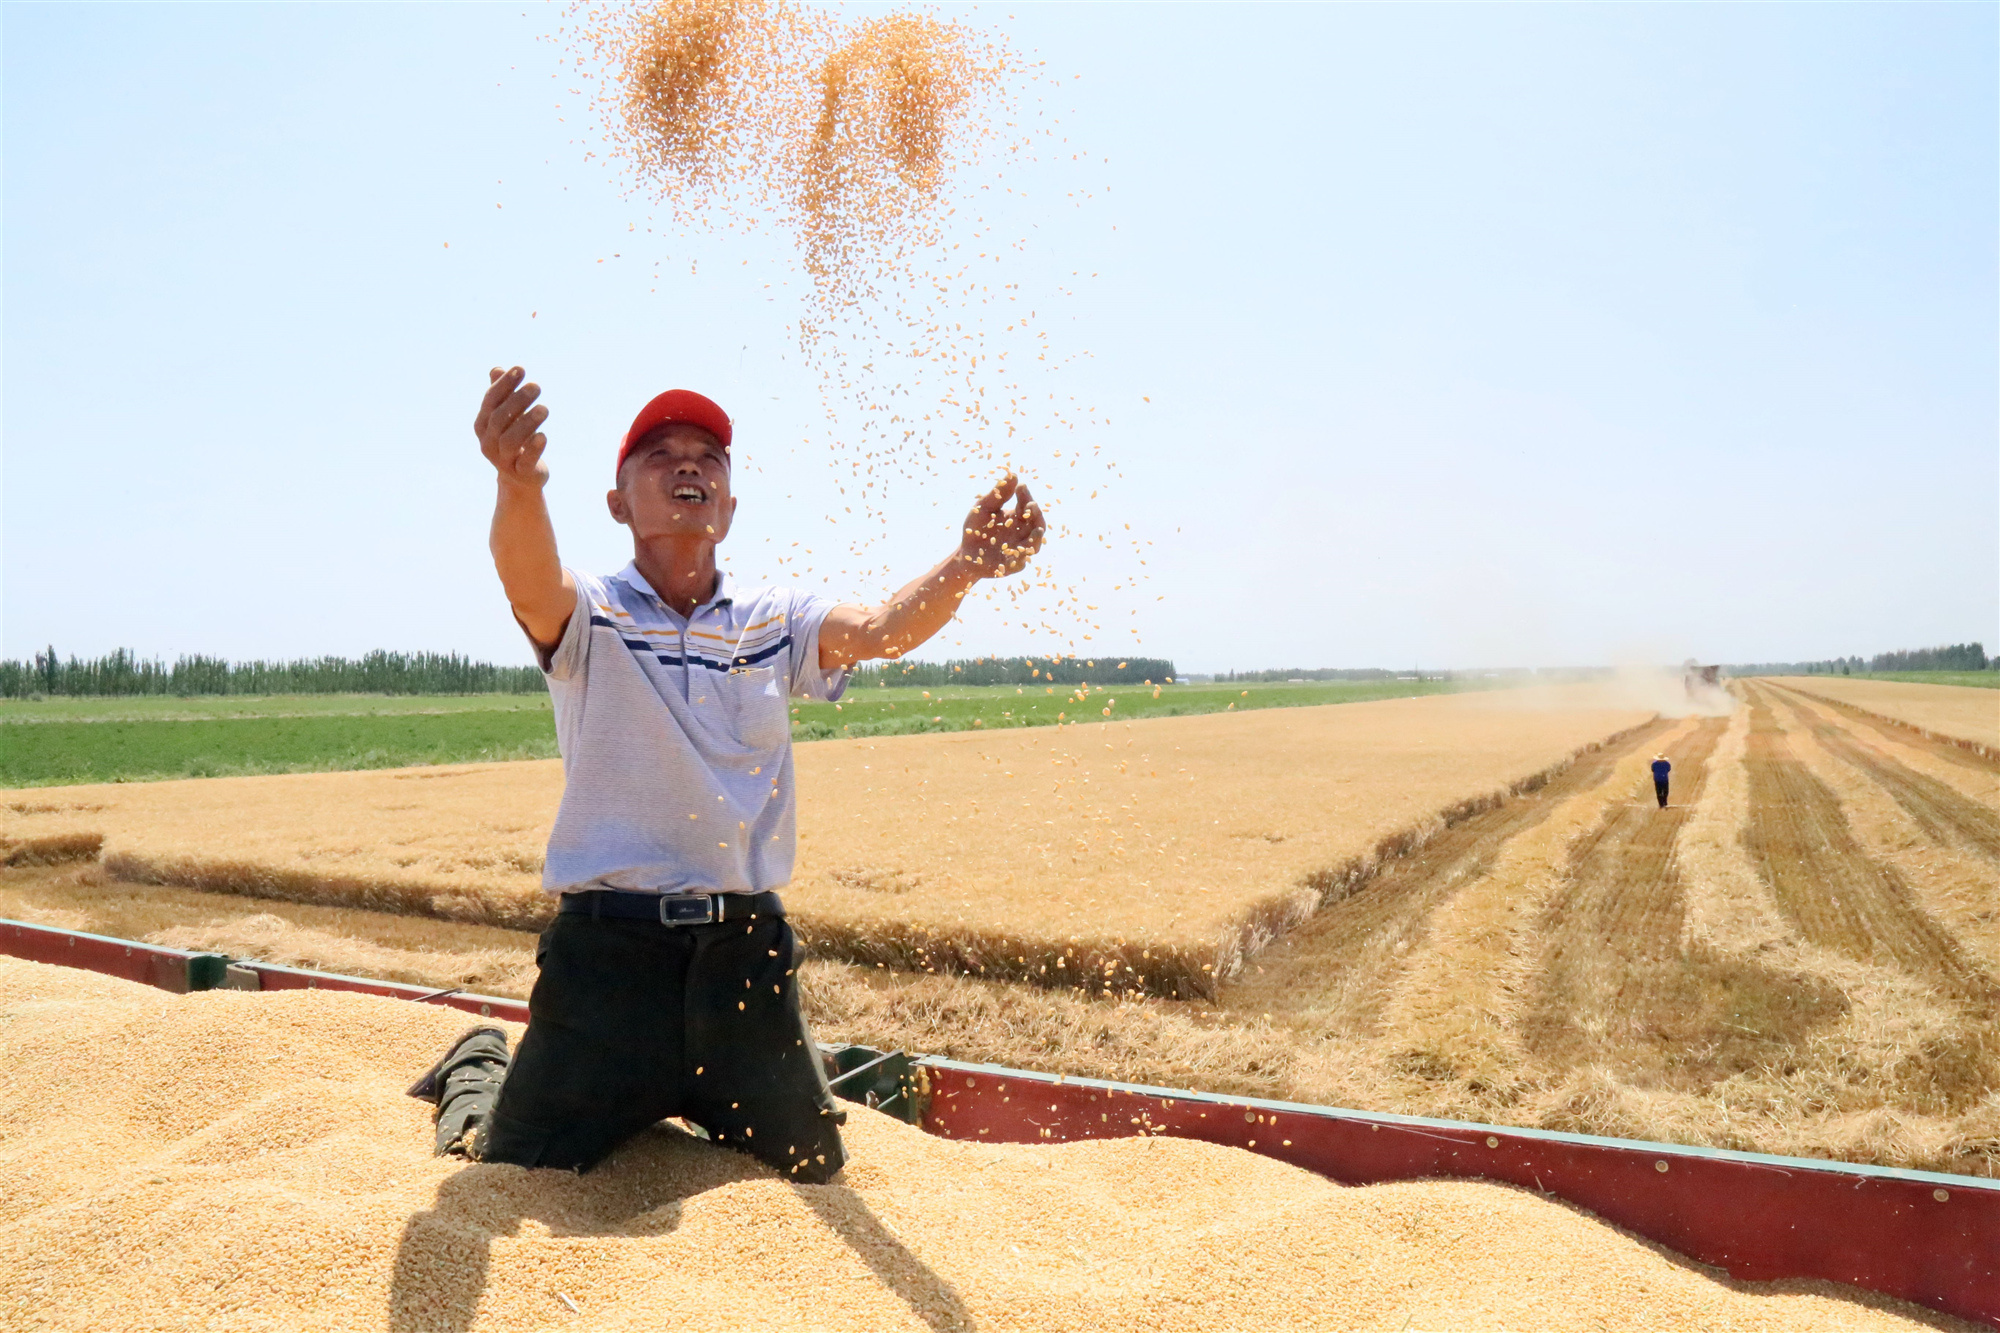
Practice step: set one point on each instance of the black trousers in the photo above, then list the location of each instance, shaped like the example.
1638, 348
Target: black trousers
631, 1022
1660, 790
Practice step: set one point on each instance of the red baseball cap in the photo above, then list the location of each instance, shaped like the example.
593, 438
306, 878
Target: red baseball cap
684, 406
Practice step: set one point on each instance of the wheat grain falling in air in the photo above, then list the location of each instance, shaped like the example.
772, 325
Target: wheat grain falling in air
888, 99
884, 149
678, 84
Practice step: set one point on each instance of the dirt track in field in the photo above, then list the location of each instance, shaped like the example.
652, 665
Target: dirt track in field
1861, 721
1838, 896
1361, 943
1620, 986
1942, 813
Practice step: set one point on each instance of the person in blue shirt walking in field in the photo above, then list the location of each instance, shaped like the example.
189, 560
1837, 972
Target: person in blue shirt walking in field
1661, 768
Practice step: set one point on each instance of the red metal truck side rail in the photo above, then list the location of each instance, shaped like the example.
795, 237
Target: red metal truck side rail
147, 964
1924, 1237
274, 977
181, 970
1928, 1238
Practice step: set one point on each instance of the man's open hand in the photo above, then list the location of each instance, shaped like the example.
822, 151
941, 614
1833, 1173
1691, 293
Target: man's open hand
509, 429
999, 541
996, 541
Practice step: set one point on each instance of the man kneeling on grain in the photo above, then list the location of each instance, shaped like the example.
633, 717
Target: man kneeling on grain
667, 982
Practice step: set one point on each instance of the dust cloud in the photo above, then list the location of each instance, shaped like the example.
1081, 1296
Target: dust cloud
1669, 691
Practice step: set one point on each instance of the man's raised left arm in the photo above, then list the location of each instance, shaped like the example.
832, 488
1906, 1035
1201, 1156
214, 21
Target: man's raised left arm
996, 541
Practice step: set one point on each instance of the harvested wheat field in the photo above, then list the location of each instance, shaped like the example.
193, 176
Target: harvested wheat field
159, 1146
1797, 956
1144, 856
1956, 712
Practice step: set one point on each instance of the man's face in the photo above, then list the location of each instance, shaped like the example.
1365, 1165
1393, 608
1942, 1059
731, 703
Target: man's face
675, 484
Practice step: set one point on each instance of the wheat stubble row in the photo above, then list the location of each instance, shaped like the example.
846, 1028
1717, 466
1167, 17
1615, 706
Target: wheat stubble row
1961, 713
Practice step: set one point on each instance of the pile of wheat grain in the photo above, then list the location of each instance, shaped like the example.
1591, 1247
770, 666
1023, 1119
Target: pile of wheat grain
239, 1161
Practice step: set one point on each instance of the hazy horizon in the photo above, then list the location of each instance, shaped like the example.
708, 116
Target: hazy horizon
1422, 668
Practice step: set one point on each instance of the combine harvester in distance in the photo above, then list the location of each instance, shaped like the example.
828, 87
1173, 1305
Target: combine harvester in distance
1703, 683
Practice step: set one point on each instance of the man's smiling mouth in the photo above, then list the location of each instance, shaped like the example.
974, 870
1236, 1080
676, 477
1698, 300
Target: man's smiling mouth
690, 493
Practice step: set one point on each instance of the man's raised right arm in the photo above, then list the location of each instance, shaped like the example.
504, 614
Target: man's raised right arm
539, 589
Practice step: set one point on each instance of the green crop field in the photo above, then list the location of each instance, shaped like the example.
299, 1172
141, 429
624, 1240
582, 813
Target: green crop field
206, 707
150, 737
899, 710
128, 749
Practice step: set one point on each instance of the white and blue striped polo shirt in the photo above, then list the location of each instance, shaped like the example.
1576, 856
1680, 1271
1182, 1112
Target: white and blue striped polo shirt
676, 736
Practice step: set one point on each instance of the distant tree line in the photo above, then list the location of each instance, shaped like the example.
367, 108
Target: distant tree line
375, 673
1322, 673
1945, 657
1058, 669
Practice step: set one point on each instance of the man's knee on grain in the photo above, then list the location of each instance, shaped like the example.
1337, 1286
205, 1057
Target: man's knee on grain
667, 984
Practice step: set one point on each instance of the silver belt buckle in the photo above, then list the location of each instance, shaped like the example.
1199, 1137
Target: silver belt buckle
671, 909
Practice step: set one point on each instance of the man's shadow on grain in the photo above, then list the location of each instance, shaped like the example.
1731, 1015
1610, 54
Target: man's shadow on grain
441, 1260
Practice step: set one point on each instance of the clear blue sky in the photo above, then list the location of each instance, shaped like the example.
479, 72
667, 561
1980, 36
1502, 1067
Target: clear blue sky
1472, 335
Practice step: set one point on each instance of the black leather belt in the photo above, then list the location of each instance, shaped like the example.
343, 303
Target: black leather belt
672, 909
